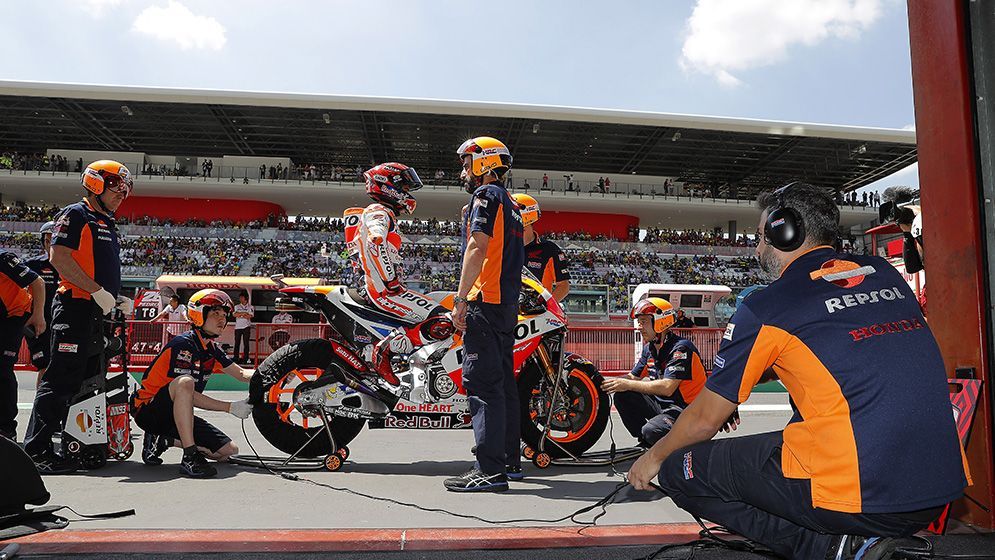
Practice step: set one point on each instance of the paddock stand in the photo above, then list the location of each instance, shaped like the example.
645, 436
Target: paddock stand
542, 459
330, 462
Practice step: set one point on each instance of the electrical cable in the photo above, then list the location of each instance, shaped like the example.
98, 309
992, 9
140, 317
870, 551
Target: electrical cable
602, 503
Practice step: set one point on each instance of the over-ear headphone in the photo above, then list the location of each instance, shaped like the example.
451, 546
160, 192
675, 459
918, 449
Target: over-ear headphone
785, 228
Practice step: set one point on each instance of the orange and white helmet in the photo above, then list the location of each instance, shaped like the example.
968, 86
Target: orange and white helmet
529, 208
109, 175
487, 154
660, 309
203, 301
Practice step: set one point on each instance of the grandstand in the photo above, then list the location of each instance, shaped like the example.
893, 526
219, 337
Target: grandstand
632, 197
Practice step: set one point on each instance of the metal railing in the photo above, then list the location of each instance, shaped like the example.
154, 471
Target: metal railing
611, 348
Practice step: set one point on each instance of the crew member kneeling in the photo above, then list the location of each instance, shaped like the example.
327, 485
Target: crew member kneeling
845, 335
173, 385
649, 406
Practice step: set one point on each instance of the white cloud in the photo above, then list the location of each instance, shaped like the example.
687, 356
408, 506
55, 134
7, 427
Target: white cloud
727, 36
909, 127
177, 23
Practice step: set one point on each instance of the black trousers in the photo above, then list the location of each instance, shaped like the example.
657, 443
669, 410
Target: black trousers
77, 354
489, 380
242, 336
738, 483
11, 334
644, 416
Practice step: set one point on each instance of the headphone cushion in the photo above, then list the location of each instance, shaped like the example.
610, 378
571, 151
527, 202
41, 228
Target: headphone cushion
785, 229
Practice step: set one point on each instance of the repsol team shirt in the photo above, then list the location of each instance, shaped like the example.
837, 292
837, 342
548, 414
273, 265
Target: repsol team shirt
492, 212
872, 426
544, 259
44, 269
678, 358
92, 236
15, 300
186, 354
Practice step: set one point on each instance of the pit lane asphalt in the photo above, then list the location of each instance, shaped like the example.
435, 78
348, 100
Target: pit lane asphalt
405, 465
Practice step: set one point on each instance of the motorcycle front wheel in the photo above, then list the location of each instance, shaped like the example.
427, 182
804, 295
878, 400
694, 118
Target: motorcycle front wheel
272, 390
579, 414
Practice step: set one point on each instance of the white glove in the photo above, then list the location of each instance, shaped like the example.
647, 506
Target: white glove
125, 305
105, 300
241, 409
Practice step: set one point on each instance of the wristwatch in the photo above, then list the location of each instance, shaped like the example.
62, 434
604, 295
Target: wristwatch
460, 299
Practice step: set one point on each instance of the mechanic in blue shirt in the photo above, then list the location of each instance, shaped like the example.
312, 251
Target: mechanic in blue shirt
846, 337
486, 310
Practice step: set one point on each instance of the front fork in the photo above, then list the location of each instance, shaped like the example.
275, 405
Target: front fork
556, 376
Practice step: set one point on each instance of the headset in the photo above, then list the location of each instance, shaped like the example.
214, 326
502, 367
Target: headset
785, 227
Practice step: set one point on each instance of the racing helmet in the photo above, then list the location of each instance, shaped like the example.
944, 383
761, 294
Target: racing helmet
202, 302
529, 208
391, 184
109, 175
487, 154
660, 309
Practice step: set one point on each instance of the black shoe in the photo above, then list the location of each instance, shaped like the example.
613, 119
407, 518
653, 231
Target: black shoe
853, 547
514, 473
152, 447
476, 481
195, 465
49, 463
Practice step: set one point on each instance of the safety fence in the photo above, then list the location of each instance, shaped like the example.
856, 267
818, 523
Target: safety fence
612, 349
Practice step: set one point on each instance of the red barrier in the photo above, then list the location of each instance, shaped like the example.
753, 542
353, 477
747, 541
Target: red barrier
612, 349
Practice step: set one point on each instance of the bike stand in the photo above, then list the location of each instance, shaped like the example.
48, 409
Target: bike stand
540, 458
330, 462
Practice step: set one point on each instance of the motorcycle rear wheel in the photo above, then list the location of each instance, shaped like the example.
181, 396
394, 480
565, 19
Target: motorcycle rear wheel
296, 362
580, 419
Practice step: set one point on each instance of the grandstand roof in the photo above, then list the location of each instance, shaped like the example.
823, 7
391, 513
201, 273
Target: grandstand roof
349, 130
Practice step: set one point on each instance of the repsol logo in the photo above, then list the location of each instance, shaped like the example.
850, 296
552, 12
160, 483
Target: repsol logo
526, 330
417, 300
861, 298
886, 328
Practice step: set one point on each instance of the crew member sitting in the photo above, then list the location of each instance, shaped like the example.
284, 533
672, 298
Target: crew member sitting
650, 405
173, 385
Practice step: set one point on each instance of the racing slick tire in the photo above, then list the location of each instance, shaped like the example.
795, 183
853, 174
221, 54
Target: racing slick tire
274, 419
578, 425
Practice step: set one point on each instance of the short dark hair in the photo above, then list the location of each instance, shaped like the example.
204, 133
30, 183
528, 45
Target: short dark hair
816, 206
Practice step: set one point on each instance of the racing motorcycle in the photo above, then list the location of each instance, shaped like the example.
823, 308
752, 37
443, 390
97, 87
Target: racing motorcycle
312, 397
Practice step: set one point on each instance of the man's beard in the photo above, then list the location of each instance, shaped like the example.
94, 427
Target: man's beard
769, 264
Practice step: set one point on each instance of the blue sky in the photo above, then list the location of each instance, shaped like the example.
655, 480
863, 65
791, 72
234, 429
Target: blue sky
826, 61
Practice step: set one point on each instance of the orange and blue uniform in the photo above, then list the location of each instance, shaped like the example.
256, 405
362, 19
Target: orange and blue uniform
41, 346
77, 327
871, 448
92, 236
544, 259
15, 308
187, 354
650, 417
492, 212
489, 338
